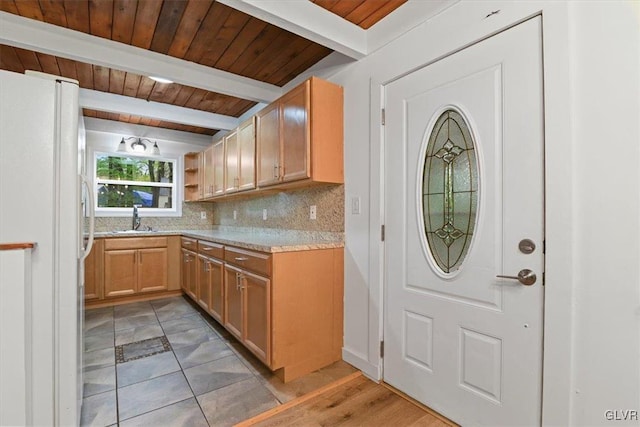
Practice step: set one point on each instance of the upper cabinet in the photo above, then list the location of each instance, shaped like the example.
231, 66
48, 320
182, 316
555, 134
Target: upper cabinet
295, 141
218, 168
208, 172
268, 137
247, 155
300, 136
240, 169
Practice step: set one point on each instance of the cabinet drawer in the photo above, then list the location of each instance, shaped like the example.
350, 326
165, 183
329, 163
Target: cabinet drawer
210, 249
135, 243
258, 262
191, 244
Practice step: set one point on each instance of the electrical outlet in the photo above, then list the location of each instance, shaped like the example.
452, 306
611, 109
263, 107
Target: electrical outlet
264, 214
203, 215
355, 205
312, 212
235, 214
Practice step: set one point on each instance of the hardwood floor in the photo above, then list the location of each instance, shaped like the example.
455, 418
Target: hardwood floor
351, 401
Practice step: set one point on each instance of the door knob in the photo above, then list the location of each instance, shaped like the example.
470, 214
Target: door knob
525, 276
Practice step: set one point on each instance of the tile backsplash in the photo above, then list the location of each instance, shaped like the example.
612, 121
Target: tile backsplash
190, 220
286, 210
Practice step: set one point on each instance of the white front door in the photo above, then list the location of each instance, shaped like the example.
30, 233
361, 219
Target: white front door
464, 187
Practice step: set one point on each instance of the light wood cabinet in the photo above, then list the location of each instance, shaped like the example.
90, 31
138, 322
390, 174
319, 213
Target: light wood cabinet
210, 295
120, 272
240, 158
94, 272
286, 307
193, 178
231, 162
152, 270
135, 265
211, 286
190, 273
257, 316
299, 137
218, 168
268, 145
208, 162
129, 268
247, 310
203, 295
233, 301
247, 155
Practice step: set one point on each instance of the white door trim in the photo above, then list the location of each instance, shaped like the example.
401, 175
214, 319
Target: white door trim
558, 375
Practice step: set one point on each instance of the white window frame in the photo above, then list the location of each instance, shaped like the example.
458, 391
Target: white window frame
175, 211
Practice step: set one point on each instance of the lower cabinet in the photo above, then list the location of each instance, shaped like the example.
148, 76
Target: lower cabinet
247, 305
285, 307
211, 286
190, 273
121, 267
232, 301
256, 318
94, 272
131, 271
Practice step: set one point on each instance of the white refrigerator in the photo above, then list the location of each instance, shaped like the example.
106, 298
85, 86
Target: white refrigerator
41, 201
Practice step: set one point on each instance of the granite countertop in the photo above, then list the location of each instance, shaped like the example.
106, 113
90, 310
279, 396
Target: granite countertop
264, 240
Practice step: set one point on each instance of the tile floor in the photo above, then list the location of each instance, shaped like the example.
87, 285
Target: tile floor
165, 363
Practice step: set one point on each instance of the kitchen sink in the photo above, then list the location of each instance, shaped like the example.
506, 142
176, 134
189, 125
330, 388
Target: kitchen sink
133, 231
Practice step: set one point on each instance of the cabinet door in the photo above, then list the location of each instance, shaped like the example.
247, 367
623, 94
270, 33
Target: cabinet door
208, 171
204, 282
120, 272
218, 168
257, 315
93, 272
152, 269
231, 162
189, 274
184, 271
216, 273
268, 145
295, 134
232, 301
247, 155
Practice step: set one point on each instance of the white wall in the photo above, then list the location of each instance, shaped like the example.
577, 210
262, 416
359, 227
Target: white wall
592, 112
606, 126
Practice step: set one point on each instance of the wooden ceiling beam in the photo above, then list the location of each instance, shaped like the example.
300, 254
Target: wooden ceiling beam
321, 26
46, 38
102, 101
310, 21
99, 124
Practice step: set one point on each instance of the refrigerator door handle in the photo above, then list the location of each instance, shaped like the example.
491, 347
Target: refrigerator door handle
92, 217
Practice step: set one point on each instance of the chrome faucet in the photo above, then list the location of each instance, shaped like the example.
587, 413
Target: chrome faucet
136, 219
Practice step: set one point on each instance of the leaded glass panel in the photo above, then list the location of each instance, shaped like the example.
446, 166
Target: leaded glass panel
450, 191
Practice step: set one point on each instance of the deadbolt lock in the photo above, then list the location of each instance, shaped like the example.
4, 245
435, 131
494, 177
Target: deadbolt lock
526, 246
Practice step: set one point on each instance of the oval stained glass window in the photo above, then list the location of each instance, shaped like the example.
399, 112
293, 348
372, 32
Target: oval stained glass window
450, 191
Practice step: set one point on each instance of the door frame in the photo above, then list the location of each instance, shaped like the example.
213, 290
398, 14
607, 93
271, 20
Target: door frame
557, 322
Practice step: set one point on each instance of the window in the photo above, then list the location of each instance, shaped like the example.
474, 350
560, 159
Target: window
450, 191
124, 180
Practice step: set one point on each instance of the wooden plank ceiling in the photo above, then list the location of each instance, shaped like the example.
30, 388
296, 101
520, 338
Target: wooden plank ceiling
118, 82
201, 31
363, 13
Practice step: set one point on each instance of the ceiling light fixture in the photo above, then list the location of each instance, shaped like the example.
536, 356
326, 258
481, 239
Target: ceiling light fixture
137, 145
160, 79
